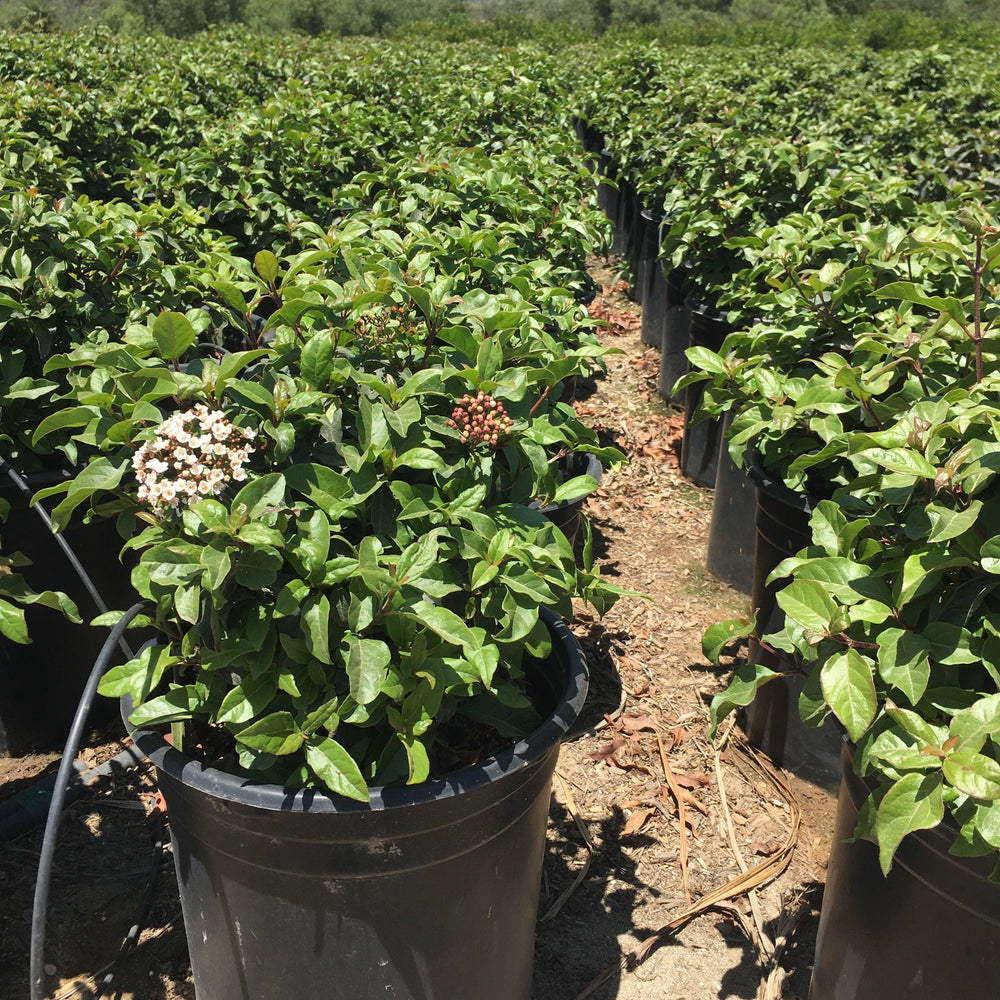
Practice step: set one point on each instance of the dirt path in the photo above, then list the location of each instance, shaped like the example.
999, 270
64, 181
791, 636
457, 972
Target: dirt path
622, 860
654, 684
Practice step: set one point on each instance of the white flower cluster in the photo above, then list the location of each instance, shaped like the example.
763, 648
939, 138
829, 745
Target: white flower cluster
194, 455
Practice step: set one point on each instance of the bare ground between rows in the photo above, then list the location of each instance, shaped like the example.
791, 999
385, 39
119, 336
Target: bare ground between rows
648, 818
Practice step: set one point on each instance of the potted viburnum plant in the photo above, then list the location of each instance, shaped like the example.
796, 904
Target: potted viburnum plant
356, 596
894, 615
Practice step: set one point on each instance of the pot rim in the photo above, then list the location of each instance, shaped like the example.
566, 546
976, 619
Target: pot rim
525, 753
764, 479
594, 469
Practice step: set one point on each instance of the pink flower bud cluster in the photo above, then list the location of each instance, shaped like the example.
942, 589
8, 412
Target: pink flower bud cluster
194, 455
481, 419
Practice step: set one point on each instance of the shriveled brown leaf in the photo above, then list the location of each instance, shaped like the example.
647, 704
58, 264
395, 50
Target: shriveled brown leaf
606, 750
637, 723
636, 821
697, 780
679, 734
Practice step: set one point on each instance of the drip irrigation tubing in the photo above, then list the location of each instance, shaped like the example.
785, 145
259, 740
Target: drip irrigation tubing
42, 883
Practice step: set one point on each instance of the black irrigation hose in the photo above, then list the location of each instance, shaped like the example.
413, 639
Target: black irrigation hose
58, 795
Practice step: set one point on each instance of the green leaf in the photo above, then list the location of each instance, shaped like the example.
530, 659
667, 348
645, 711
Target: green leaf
573, 489
447, 625
254, 393
849, 689
12, 623
316, 627
707, 361
526, 581
904, 460
335, 767
248, 699
418, 762
417, 559
720, 634
419, 458
317, 360
261, 494
826, 522
367, 665
422, 382
489, 358
989, 555
21, 263
482, 573
904, 663
947, 524
217, 563
232, 364
276, 733
742, 690
972, 726
266, 265
915, 802
187, 603
231, 295
906, 291
173, 334
99, 476
914, 724
177, 705
319, 484
975, 774
257, 568
842, 579
173, 564
140, 675
808, 603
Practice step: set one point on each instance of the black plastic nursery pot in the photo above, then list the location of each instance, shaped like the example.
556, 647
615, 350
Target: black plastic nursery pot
593, 139
653, 281
566, 514
641, 247
427, 893
702, 443
772, 720
607, 191
929, 930
676, 334
626, 221
732, 532
41, 682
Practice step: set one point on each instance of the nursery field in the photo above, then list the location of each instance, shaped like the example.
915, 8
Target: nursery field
603, 897
406, 286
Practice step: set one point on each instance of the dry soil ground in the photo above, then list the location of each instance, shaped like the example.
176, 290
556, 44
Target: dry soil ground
675, 869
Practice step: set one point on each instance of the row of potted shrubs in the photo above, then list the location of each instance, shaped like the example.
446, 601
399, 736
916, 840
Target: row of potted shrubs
854, 373
331, 433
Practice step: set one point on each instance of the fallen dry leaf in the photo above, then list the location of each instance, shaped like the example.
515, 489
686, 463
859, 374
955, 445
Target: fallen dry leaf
636, 820
697, 780
605, 750
688, 798
679, 735
637, 723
